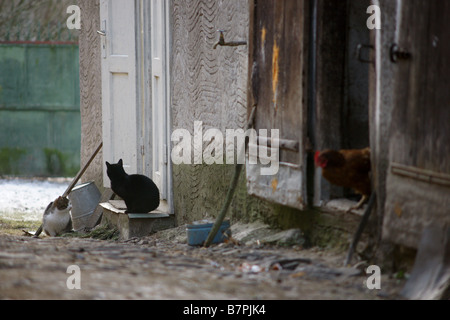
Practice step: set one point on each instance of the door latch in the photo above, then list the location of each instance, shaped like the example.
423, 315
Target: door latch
102, 33
222, 41
399, 54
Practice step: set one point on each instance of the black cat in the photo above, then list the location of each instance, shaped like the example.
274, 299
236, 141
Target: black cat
139, 192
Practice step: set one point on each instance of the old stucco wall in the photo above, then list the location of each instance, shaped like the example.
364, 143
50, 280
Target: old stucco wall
210, 86
90, 89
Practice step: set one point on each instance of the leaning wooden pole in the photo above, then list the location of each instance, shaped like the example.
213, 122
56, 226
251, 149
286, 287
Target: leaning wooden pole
360, 229
231, 189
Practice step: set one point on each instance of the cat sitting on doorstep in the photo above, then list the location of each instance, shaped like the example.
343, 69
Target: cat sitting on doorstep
140, 193
57, 220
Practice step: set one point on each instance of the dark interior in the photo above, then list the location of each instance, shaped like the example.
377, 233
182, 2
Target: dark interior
342, 81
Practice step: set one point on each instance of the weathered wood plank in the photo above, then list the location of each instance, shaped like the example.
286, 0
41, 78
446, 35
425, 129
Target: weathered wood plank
420, 134
278, 56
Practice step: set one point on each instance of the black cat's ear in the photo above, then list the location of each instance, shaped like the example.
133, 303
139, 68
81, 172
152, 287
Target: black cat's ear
107, 164
120, 162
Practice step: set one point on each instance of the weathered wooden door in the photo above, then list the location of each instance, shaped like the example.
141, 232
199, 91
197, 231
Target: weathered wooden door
418, 179
277, 77
118, 47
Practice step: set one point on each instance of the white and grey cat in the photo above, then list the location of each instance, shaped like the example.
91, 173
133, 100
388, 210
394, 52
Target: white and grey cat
57, 220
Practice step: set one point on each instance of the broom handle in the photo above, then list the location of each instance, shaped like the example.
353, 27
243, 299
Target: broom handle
80, 173
237, 171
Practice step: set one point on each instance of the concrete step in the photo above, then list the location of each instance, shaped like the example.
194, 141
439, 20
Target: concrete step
134, 224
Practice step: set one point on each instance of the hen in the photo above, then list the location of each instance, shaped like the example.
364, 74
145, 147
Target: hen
347, 168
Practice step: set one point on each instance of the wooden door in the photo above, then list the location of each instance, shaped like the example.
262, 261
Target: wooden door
119, 119
418, 180
277, 77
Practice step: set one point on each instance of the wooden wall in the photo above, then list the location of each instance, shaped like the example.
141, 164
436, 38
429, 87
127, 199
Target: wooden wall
418, 178
381, 95
278, 87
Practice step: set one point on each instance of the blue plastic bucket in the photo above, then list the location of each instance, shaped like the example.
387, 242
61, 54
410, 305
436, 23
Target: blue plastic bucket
198, 232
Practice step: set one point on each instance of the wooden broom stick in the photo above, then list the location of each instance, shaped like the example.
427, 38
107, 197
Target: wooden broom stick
231, 189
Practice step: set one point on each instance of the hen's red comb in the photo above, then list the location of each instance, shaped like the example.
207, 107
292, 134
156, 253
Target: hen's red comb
316, 156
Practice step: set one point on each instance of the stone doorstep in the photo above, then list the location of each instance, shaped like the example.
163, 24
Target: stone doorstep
134, 224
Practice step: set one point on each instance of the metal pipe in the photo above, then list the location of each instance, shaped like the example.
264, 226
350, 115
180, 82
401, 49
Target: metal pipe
312, 103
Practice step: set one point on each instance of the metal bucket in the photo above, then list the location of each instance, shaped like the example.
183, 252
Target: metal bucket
84, 199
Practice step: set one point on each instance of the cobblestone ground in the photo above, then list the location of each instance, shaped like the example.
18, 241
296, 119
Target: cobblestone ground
157, 267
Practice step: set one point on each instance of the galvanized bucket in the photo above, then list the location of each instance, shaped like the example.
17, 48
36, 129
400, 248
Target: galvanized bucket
84, 199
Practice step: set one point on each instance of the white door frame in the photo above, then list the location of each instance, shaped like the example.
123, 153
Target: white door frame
155, 50
160, 88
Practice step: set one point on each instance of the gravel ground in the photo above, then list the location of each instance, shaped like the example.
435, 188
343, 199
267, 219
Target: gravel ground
157, 267
162, 266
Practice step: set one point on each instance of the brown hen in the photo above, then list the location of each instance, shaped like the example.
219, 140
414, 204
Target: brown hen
347, 168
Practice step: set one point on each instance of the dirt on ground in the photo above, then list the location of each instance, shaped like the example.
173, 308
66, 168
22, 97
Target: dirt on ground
163, 266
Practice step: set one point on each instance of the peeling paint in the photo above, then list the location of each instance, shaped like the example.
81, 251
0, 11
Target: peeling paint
263, 37
398, 210
263, 44
274, 184
275, 72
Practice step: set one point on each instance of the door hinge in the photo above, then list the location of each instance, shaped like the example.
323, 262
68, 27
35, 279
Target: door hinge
364, 47
165, 152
